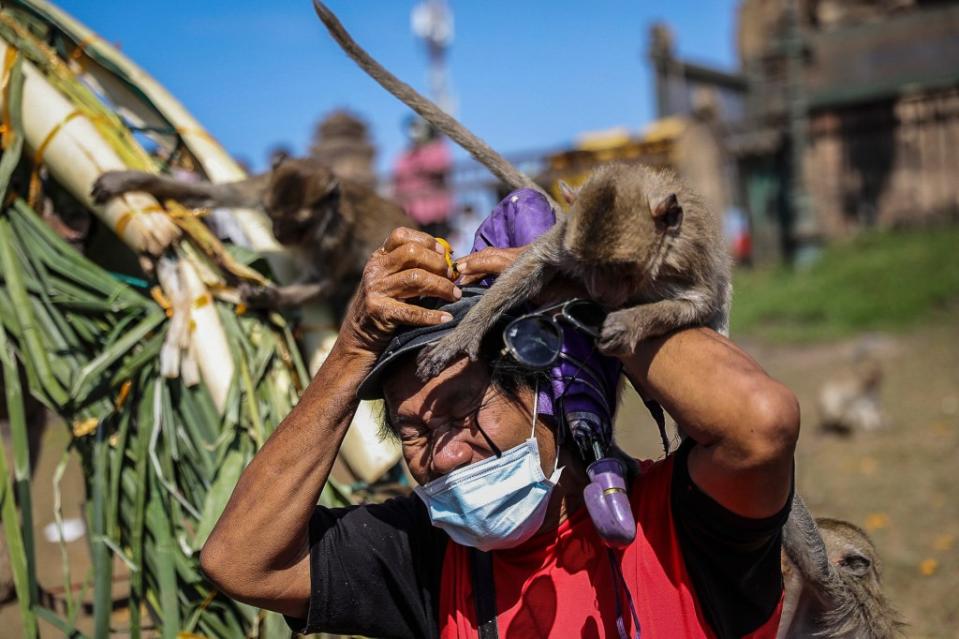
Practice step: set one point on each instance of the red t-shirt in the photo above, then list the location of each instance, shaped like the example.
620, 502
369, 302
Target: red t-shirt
695, 569
560, 583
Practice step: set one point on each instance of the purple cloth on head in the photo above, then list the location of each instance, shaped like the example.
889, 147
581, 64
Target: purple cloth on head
521, 217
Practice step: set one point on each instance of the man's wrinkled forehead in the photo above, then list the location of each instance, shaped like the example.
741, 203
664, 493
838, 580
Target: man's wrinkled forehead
405, 395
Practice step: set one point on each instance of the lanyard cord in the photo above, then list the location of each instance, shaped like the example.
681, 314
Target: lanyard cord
618, 580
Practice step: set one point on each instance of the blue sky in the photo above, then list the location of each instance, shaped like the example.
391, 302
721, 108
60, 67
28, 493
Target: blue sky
526, 75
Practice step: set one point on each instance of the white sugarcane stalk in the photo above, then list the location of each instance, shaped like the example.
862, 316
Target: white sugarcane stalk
367, 454
207, 338
177, 333
216, 162
189, 366
76, 155
363, 450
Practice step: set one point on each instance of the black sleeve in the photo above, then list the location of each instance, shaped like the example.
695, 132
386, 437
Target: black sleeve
734, 561
374, 571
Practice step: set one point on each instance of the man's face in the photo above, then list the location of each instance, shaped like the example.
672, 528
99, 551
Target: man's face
441, 423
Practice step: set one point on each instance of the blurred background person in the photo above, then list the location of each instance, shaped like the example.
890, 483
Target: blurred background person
420, 177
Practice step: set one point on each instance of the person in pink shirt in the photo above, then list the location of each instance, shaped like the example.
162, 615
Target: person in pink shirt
420, 175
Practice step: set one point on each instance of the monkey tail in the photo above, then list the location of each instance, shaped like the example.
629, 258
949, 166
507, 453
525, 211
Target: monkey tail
483, 153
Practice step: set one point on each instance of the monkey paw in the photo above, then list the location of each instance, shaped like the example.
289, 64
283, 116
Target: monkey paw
617, 337
109, 185
433, 359
256, 296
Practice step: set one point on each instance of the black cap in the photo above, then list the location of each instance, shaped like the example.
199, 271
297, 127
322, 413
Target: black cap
411, 339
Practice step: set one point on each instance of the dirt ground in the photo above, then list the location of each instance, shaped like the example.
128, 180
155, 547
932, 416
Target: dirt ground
899, 483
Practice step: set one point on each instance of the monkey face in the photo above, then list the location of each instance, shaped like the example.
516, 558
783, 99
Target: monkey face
851, 551
303, 195
622, 217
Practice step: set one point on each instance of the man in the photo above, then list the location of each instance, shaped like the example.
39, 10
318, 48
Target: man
419, 177
705, 561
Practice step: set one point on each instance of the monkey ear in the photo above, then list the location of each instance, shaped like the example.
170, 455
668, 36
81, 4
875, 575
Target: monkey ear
668, 212
569, 193
856, 564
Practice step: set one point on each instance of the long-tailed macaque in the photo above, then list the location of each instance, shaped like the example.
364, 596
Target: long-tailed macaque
642, 244
636, 237
641, 239
331, 224
831, 573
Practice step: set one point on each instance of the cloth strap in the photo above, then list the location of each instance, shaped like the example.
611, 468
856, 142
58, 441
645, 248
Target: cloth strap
484, 593
618, 582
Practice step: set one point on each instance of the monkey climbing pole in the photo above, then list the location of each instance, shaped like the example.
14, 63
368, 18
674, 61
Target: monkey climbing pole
167, 385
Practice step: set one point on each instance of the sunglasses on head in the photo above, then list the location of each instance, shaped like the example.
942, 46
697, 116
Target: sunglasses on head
535, 339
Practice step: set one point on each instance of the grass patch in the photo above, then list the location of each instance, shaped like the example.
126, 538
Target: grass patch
879, 281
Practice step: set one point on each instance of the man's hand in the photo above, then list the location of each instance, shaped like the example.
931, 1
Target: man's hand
410, 264
493, 261
490, 261
278, 491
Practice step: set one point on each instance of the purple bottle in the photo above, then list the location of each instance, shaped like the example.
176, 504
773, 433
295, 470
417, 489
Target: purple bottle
584, 383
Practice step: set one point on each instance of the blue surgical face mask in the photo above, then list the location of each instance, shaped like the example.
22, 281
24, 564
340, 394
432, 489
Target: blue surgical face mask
499, 502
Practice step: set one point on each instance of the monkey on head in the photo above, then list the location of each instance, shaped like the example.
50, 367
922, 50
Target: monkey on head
640, 240
643, 245
331, 224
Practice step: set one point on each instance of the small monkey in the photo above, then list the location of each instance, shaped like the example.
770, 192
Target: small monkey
849, 401
639, 240
331, 224
634, 236
831, 573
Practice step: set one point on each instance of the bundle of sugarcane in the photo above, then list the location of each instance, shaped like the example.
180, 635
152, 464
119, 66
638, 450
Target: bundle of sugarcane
148, 106
168, 390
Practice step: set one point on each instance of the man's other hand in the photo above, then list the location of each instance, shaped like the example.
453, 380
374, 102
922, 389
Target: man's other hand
410, 264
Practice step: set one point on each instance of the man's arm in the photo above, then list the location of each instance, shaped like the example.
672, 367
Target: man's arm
744, 422
259, 550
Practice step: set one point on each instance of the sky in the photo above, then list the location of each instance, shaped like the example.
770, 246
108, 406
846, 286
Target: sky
526, 75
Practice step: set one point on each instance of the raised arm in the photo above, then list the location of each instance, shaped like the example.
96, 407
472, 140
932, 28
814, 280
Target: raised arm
245, 193
258, 552
745, 422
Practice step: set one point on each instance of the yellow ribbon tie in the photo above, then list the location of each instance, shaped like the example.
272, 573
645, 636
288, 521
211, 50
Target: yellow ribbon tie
9, 58
33, 196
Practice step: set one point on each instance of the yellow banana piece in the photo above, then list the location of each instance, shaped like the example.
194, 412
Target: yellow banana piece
449, 255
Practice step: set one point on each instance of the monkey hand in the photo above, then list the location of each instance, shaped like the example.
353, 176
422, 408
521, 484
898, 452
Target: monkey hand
620, 335
113, 183
433, 359
490, 261
256, 296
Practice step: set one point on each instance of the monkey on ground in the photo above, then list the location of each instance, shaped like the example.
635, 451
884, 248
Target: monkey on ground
332, 225
849, 401
831, 575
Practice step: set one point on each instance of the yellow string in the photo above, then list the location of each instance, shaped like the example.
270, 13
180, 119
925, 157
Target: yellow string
9, 58
85, 427
127, 216
33, 194
202, 301
157, 294
81, 49
121, 398
185, 130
